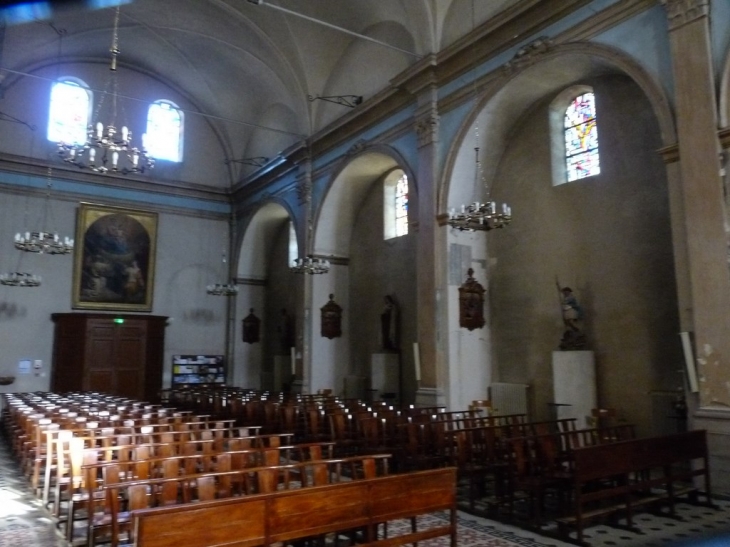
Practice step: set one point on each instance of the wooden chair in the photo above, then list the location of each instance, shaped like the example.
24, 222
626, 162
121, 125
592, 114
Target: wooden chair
604, 417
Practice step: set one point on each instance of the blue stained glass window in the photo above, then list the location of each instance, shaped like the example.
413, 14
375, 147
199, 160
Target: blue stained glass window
164, 131
68, 118
581, 138
401, 206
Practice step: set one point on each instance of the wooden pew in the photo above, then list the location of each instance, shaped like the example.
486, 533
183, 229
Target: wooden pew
121, 496
615, 478
264, 519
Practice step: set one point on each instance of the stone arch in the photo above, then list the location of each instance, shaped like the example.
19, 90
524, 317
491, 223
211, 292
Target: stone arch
363, 166
579, 233
512, 92
259, 270
365, 268
249, 243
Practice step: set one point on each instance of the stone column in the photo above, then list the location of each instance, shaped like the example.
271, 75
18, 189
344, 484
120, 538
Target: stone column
704, 217
304, 291
430, 261
699, 157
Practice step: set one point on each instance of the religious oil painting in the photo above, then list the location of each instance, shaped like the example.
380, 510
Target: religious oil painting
114, 263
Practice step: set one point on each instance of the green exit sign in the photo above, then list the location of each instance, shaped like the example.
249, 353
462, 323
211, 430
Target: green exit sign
118, 320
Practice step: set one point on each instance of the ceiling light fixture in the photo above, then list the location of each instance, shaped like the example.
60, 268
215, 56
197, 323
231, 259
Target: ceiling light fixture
44, 242
222, 289
310, 265
20, 279
107, 149
478, 216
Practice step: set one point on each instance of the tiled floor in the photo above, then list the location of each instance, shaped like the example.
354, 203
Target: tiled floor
24, 522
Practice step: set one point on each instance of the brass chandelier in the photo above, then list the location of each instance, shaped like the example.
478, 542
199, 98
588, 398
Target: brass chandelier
107, 149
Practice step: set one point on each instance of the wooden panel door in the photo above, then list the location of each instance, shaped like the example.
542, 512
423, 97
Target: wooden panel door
99, 365
118, 354
130, 358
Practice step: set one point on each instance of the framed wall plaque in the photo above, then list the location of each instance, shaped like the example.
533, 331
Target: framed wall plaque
114, 261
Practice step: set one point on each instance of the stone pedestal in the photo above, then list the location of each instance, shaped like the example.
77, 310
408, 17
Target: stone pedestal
282, 371
429, 397
574, 384
384, 374
717, 423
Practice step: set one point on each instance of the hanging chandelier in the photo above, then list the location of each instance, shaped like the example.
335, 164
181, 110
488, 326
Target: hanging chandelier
106, 148
478, 216
310, 265
222, 289
42, 241
20, 279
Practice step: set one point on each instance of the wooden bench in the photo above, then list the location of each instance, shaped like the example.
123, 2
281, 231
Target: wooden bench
120, 496
614, 478
264, 519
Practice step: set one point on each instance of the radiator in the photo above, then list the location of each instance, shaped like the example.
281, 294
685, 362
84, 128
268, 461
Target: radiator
508, 398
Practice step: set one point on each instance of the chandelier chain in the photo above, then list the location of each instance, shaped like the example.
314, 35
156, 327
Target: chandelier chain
107, 149
479, 216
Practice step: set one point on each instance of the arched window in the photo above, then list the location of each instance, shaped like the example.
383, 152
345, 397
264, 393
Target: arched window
70, 109
395, 204
164, 137
581, 138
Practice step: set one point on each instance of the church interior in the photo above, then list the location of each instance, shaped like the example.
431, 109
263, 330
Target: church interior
487, 207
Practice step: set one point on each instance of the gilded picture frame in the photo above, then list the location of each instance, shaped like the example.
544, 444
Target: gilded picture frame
114, 258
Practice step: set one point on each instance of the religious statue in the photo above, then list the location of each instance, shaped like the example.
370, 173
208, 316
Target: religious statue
390, 324
251, 325
573, 336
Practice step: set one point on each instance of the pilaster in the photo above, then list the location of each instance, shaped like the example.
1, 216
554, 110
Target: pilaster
303, 349
701, 194
430, 256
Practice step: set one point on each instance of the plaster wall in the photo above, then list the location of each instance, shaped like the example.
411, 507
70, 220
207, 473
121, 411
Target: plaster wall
469, 352
380, 267
248, 358
330, 357
281, 290
608, 238
186, 262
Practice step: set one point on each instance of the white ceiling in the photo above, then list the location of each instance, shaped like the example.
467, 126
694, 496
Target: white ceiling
252, 65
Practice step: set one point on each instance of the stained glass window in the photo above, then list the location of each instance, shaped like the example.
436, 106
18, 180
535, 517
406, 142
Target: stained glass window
581, 138
395, 204
68, 119
164, 131
401, 206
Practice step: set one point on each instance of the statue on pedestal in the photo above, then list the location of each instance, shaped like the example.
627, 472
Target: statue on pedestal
573, 336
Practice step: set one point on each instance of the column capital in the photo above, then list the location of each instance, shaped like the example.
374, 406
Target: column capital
681, 12
303, 186
427, 129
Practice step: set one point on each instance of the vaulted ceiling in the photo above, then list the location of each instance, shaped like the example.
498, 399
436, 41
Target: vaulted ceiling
251, 68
